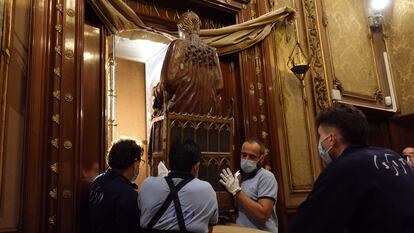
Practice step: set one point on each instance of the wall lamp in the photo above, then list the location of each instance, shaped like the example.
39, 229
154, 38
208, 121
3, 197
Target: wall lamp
298, 62
375, 13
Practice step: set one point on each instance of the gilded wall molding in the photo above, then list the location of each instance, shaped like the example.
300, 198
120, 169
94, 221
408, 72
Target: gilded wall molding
317, 72
173, 15
5, 35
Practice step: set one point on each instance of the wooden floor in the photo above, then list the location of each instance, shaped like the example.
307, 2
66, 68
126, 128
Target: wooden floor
234, 229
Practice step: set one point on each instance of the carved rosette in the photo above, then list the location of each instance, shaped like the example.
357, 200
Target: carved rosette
319, 83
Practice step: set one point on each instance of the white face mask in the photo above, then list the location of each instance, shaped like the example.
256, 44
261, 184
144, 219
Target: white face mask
248, 165
324, 153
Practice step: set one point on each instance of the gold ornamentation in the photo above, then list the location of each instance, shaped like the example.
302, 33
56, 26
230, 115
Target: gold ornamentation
53, 193
338, 85
56, 71
6, 54
155, 9
59, 28
261, 102
254, 118
68, 97
59, 7
56, 118
69, 53
325, 20
258, 70
251, 87
56, 94
264, 134
253, 13
320, 89
281, 99
67, 144
228, 1
259, 86
379, 95
70, 12
52, 220
66, 194
244, 6
58, 50
267, 151
54, 168
55, 143
262, 118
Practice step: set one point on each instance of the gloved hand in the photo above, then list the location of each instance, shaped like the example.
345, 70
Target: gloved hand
162, 169
229, 181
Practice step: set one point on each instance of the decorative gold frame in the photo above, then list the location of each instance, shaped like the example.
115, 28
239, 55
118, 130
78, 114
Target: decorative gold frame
369, 98
5, 35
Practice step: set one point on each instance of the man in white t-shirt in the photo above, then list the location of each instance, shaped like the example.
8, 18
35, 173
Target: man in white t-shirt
179, 202
257, 193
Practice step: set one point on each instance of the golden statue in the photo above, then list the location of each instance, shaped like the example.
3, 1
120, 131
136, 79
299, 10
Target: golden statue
191, 79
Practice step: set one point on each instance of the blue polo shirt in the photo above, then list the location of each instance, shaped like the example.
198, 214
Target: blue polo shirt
197, 198
262, 185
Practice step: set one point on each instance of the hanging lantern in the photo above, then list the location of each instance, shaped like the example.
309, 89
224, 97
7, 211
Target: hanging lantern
298, 62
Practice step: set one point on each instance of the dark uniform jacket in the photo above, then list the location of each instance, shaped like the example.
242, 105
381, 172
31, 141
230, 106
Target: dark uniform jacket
366, 189
113, 204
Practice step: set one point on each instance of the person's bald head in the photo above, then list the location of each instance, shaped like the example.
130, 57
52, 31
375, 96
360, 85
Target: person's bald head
409, 152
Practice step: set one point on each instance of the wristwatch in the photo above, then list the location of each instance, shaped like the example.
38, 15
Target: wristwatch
236, 191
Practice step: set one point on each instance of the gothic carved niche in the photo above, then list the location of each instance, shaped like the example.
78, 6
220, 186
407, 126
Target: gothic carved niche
320, 89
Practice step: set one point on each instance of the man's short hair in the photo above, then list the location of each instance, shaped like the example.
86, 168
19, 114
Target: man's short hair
124, 152
184, 155
351, 123
260, 143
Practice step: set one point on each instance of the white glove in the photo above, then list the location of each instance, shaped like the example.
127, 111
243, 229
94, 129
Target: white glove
229, 181
162, 169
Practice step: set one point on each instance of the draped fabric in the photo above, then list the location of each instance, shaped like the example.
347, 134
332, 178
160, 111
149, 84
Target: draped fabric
116, 15
237, 37
120, 19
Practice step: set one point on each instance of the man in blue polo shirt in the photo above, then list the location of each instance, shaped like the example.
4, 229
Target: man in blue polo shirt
362, 189
179, 202
256, 197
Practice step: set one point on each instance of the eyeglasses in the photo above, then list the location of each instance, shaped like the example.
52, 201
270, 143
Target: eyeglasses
141, 162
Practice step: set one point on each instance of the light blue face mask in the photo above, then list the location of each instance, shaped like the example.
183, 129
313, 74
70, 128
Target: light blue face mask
324, 153
248, 165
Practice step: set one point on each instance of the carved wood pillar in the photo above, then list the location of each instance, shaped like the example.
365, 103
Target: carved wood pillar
52, 159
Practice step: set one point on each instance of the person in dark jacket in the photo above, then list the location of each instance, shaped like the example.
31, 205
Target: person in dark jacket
113, 196
362, 189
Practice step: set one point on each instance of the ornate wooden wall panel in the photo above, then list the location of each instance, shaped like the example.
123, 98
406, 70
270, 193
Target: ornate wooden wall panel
6, 13
352, 53
399, 29
402, 131
298, 133
92, 121
318, 71
13, 83
351, 48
